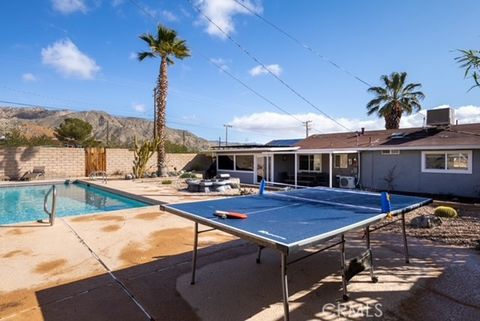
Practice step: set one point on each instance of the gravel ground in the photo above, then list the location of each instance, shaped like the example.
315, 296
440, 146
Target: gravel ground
463, 231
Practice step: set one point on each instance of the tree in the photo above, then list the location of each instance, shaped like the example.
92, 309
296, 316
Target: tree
395, 99
166, 46
470, 60
74, 130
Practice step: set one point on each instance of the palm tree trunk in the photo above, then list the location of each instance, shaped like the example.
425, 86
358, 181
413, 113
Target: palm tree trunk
392, 120
161, 116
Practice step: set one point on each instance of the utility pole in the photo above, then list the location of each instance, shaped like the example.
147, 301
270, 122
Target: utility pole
307, 127
108, 133
226, 133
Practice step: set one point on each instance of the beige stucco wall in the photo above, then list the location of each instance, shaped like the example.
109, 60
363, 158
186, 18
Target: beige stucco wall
70, 162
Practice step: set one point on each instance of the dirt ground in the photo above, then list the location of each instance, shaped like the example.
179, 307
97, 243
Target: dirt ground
462, 231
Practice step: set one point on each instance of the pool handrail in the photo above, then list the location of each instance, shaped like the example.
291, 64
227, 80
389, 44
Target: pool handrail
51, 213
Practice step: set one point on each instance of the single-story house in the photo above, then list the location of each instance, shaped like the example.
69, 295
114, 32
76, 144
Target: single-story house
440, 159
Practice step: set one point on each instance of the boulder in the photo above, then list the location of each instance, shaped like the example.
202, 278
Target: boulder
426, 221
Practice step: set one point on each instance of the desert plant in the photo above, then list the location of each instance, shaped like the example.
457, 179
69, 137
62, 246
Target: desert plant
445, 211
188, 175
142, 154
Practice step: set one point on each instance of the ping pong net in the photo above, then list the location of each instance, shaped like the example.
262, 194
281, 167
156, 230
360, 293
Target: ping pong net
333, 197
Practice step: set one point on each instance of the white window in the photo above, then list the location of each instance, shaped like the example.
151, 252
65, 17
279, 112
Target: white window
340, 161
390, 152
456, 162
310, 163
225, 162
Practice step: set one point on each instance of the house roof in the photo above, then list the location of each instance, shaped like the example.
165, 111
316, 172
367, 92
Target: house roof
283, 142
454, 136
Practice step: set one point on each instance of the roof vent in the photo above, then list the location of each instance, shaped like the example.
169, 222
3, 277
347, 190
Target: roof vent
440, 117
397, 135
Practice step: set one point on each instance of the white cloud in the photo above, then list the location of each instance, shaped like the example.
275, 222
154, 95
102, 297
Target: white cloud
221, 63
116, 3
65, 57
69, 6
29, 77
284, 126
221, 12
138, 107
260, 70
169, 16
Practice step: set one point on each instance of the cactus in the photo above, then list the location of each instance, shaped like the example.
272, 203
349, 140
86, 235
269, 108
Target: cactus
142, 153
445, 211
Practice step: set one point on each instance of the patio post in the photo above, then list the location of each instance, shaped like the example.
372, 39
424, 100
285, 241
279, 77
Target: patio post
296, 167
330, 170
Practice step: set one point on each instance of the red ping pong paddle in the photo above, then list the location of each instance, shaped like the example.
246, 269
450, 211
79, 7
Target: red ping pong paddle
225, 214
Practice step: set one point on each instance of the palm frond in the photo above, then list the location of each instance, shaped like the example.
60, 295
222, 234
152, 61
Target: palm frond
145, 54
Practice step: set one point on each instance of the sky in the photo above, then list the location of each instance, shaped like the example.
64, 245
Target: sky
81, 55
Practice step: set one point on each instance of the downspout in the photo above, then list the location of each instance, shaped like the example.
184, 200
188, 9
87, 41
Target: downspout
359, 170
295, 169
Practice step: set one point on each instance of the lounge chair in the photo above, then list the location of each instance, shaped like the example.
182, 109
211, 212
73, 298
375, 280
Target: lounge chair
37, 172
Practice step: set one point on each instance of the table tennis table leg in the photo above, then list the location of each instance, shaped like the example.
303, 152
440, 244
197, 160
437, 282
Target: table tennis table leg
259, 253
194, 254
343, 265
405, 244
369, 249
286, 310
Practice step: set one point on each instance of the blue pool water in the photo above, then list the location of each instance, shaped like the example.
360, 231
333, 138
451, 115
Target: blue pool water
24, 204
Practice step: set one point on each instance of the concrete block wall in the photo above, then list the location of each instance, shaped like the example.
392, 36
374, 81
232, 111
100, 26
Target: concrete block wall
120, 161
58, 162
62, 162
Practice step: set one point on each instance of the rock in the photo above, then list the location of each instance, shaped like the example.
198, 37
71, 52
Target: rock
129, 176
425, 221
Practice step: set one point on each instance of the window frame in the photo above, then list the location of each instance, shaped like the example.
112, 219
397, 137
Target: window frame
445, 154
340, 163
387, 152
310, 162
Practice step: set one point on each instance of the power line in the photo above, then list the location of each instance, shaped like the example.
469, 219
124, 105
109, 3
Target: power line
265, 67
305, 46
228, 73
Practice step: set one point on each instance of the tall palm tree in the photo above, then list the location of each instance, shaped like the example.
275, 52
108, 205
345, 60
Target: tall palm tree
166, 46
395, 99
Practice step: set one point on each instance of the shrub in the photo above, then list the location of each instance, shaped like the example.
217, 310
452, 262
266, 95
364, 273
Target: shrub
188, 175
445, 211
166, 182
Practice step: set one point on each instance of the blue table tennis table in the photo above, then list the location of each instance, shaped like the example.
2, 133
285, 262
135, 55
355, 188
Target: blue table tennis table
296, 220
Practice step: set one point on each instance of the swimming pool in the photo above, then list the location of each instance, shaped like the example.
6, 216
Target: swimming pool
25, 203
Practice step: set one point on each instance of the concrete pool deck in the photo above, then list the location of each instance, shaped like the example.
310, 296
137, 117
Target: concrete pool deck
129, 264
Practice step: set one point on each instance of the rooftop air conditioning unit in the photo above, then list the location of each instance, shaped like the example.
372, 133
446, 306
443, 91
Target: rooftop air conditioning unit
440, 117
346, 181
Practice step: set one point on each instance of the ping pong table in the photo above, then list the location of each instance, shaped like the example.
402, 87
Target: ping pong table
293, 221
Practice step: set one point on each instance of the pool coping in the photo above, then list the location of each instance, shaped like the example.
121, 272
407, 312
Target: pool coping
150, 204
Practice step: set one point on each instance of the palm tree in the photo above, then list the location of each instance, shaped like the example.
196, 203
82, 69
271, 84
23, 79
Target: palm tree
166, 46
470, 60
394, 99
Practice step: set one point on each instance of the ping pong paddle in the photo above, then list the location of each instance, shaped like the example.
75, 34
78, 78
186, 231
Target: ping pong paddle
225, 214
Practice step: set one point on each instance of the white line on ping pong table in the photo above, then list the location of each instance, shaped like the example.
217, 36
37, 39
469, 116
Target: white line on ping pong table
323, 202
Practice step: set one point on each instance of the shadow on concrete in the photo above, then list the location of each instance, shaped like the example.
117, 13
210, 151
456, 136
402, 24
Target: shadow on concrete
246, 289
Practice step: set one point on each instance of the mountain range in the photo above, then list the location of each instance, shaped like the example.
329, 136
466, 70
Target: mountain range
121, 131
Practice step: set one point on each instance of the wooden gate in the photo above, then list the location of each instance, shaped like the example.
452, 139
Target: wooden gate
95, 160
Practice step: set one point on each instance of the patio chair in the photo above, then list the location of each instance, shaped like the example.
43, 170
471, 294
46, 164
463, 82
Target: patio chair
37, 172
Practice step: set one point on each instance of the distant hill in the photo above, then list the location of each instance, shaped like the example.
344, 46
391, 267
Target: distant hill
122, 130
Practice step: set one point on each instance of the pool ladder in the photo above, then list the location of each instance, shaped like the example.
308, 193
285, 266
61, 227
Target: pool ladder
51, 212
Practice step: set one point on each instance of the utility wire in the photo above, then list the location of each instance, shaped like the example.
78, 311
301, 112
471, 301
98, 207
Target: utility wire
304, 45
264, 66
221, 68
